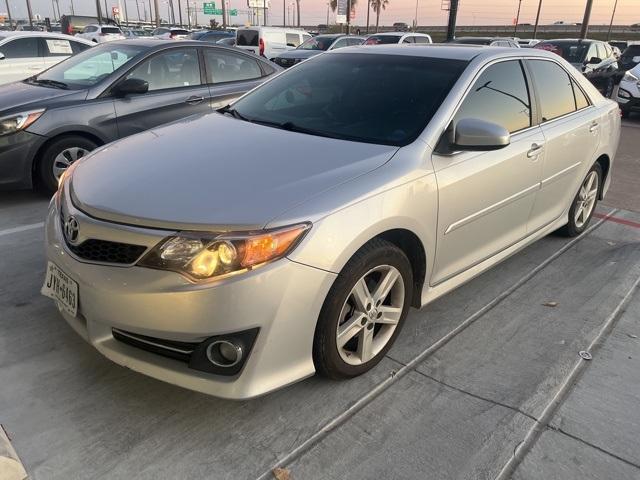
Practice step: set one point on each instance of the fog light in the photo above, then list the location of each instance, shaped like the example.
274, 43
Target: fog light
223, 353
623, 93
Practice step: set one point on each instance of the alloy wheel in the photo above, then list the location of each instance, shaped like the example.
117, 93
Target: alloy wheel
370, 314
586, 199
65, 158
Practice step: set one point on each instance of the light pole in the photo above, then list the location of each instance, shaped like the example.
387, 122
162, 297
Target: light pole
157, 9
535, 28
72, 10
453, 14
615, 5
515, 27
8, 13
415, 21
585, 20
30, 14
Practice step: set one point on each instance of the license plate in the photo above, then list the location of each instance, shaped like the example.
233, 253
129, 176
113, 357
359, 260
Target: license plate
59, 286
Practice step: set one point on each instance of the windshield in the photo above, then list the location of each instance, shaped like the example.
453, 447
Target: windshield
382, 39
247, 38
325, 96
572, 52
320, 42
631, 51
89, 67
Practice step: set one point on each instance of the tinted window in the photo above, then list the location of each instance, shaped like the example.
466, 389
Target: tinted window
293, 39
228, 67
581, 99
21, 48
248, 38
572, 52
500, 96
631, 51
172, 69
54, 47
408, 40
343, 42
421, 39
78, 47
472, 41
554, 89
354, 41
321, 42
177, 31
324, 96
110, 30
382, 39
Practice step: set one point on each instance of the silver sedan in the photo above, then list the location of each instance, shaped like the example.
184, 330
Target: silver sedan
291, 232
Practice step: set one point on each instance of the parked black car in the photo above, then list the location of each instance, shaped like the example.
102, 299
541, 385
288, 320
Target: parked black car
211, 35
593, 58
108, 92
630, 57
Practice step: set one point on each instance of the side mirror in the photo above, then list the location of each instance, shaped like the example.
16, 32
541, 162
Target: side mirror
479, 135
131, 86
1, 56
593, 61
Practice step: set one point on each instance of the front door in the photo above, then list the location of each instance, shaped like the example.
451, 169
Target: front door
175, 91
485, 198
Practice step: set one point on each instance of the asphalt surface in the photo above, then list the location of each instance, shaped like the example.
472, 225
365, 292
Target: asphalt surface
486, 382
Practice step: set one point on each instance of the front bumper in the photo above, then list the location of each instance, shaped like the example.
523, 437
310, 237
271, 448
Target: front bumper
630, 104
282, 299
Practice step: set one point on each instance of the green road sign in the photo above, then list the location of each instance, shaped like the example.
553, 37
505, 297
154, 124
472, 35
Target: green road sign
209, 8
218, 11
233, 12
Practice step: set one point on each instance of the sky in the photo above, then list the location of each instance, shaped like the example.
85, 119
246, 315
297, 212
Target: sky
471, 12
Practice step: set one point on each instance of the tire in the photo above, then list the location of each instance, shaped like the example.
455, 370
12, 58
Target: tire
66, 149
579, 223
376, 260
609, 87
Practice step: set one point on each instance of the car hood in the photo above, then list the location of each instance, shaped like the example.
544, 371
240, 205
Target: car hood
215, 172
300, 53
19, 95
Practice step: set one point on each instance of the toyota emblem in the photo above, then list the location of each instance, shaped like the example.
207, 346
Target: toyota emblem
71, 230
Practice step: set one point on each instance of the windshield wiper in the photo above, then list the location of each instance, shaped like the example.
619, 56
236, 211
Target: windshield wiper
233, 112
49, 83
292, 127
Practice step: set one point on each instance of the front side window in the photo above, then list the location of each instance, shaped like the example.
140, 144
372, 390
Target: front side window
293, 39
91, 66
554, 89
499, 95
343, 42
225, 67
175, 68
408, 40
324, 96
21, 48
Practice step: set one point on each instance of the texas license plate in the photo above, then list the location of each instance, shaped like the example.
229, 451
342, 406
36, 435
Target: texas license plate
59, 286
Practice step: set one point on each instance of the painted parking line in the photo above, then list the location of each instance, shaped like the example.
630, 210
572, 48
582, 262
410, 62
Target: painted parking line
410, 366
621, 221
22, 228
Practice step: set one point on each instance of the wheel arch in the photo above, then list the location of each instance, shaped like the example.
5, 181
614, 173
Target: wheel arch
605, 165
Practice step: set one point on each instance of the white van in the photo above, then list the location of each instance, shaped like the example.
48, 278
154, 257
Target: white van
269, 42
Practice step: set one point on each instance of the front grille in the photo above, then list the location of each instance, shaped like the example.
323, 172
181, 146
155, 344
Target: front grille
107, 252
167, 348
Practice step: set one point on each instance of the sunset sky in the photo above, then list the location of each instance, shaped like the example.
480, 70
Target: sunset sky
478, 12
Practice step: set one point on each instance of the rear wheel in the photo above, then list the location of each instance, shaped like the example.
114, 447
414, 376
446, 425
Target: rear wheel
608, 89
584, 203
59, 156
364, 311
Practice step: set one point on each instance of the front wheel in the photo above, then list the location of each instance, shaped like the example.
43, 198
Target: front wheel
59, 156
584, 203
364, 311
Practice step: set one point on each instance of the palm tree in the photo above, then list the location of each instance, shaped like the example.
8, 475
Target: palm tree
377, 6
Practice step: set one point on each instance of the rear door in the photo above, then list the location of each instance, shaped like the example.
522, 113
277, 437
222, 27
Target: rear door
176, 90
569, 124
229, 75
22, 59
485, 198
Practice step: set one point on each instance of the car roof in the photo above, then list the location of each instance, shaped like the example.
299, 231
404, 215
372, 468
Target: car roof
21, 33
384, 34
446, 51
571, 40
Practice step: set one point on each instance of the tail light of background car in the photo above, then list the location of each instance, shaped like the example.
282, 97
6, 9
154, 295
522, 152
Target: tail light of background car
261, 47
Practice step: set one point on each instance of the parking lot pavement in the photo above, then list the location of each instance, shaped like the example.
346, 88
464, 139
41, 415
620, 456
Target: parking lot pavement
626, 179
471, 377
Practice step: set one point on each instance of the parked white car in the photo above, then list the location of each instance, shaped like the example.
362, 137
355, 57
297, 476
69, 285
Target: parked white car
269, 42
101, 33
23, 54
166, 33
628, 96
388, 38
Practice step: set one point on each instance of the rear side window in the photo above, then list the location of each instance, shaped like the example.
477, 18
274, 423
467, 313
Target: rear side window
21, 48
225, 67
54, 47
581, 99
293, 39
500, 96
421, 39
110, 30
247, 38
382, 39
408, 40
78, 47
554, 89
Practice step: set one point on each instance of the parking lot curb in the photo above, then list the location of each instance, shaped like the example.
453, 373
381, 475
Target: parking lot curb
11, 467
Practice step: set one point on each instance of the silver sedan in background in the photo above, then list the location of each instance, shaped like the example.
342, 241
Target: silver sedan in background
362, 183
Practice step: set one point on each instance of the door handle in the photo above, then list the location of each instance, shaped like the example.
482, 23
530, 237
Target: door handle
194, 100
593, 127
534, 151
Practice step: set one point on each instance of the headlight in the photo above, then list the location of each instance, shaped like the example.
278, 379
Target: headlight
202, 256
18, 121
629, 77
